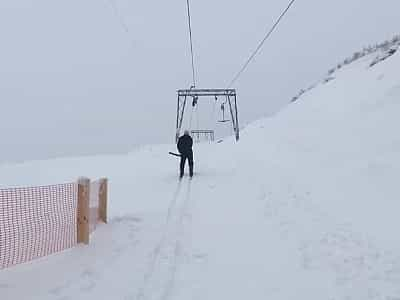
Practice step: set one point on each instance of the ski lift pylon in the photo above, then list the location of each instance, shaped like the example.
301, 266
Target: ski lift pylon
196, 94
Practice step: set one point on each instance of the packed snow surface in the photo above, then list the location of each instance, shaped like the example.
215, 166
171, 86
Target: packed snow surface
305, 206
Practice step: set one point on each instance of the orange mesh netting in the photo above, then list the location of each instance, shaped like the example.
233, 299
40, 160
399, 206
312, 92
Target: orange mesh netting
36, 221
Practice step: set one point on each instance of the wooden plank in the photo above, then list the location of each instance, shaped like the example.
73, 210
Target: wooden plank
83, 210
103, 199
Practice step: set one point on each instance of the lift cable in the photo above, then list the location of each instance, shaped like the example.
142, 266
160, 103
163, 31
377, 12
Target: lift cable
191, 42
261, 44
121, 20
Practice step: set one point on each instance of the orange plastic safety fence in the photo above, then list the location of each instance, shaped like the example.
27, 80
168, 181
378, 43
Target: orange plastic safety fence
36, 221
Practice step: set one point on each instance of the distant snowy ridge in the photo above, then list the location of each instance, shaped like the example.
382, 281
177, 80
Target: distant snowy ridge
378, 53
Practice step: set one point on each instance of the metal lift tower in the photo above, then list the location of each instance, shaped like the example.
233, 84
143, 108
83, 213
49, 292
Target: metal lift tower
195, 94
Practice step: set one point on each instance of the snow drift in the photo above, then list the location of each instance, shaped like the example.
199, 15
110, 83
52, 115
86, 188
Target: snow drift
304, 207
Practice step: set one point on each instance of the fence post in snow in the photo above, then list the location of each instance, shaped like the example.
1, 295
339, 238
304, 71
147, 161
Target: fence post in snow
83, 210
103, 191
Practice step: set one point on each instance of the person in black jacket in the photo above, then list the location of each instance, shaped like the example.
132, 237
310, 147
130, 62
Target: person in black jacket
185, 144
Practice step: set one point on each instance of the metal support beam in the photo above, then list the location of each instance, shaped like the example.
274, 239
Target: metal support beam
177, 120
237, 119
232, 114
207, 92
179, 116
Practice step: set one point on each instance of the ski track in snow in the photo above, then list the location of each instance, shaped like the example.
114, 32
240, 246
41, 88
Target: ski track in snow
165, 258
361, 270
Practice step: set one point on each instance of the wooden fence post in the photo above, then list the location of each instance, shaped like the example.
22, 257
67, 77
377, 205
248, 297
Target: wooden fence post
103, 194
83, 210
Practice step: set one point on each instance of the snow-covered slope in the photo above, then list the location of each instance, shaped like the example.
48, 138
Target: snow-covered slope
305, 206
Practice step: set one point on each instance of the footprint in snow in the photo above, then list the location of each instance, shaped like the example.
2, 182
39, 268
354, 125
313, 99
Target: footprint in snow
4, 286
200, 257
59, 289
87, 287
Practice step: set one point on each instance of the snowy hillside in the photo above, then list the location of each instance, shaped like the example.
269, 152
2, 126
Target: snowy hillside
379, 52
305, 206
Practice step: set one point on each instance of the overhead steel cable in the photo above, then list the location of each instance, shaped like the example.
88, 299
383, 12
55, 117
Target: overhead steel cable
261, 44
119, 17
191, 42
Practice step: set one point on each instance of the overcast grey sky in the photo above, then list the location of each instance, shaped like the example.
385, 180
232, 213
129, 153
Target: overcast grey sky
74, 82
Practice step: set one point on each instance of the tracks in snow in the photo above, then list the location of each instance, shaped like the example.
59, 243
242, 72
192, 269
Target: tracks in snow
361, 269
159, 278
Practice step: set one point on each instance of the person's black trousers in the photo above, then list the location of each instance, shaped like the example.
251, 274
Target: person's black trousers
185, 157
